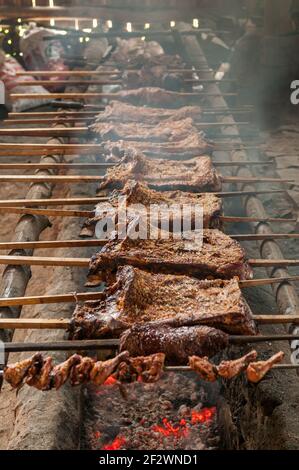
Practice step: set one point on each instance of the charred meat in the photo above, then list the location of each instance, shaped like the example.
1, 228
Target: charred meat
195, 175
230, 369
176, 343
142, 297
204, 368
146, 369
139, 193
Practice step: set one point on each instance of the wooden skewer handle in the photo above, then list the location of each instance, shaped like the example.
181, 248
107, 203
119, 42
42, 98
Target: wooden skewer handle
47, 212
52, 202
43, 261
50, 299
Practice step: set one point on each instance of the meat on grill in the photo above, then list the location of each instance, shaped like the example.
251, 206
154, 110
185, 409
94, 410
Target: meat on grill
204, 368
226, 369
103, 369
256, 371
142, 297
16, 373
165, 132
219, 257
152, 96
195, 175
122, 112
192, 145
41, 374
156, 76
136, 193
230, 369
176, 343
146, 369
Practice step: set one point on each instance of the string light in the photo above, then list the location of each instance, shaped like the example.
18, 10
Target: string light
147, 26
51, 3
6, 31
142, 38
81, 39
21, 54
129, 27
9, 42
87, 39
52, 22
195, 23
1, 29
109, 24
76, 24
19, 20
33, 3
172, 24
87, 30
94, 23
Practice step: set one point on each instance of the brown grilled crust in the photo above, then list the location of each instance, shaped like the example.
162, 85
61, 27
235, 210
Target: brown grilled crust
176, 343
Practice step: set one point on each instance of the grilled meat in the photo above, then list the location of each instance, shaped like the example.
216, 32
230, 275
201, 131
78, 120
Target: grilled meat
176, 343
156, 76
16, 373
230, 369
219, 256
138, 193
190, 145
256, 371
152, 96
103, 369
142, 297
41, 379
195, 175
204, 368
146, 369
123, 112
80, 373
62, 371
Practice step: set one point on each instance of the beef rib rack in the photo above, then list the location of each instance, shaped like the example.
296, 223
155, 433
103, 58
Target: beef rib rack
141, 297
195, 175
218, 257
136, 193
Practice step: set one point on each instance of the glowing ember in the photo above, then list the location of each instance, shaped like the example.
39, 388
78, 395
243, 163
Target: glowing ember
169, 430
110, 381
202, 416
117, 444
97, 434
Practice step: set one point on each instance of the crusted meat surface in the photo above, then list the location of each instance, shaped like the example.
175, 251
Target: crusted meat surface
142, 297
188, 145
176, 343
204, 368
195, 175
146, 369
139, 193
152, 96
123, 112
218, 257
256, 371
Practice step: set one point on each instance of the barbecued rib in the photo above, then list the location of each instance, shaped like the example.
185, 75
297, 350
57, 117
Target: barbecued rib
218, 257
176, 343
165, 132
142, 297
136, 193
152, 96
195, 175
190, 145
123, 112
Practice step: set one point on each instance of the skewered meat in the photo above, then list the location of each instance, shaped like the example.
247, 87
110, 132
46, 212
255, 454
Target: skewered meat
138, 193
219, 256
230, 369
41, 380
103, 369
152, 96
134, 50
16, 373
142, 297
204, 368
191, 145
176, 343
80, 373
122, 112
156, 76
195, 175
146, 369
166, 131
62, 371
256, 371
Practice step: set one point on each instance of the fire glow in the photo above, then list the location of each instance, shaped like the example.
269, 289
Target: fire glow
117, 444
